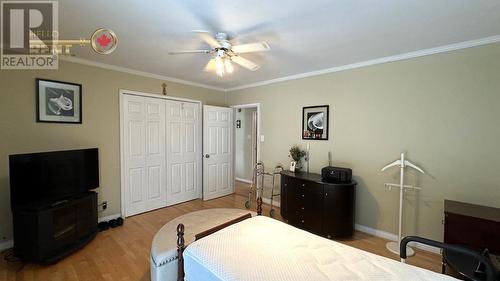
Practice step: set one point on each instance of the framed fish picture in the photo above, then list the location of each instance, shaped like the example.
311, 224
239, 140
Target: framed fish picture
315, 122
58, 102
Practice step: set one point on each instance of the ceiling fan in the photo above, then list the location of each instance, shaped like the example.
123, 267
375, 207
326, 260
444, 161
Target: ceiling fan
224, 53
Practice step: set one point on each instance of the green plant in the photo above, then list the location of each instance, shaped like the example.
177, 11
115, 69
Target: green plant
296, 153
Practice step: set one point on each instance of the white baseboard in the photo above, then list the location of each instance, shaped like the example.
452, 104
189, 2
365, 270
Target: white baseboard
243, 180
6, 244
110, 217
394, 237
268, 201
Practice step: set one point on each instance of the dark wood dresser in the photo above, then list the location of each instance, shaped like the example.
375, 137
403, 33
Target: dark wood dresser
472, 225
323, 208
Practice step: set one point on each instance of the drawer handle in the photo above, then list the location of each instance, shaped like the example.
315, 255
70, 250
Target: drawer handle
303, 208
286, 184
303, 184
303, 196
302, 221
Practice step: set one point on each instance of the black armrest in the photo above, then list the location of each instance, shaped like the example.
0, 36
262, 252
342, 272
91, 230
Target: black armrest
489, 270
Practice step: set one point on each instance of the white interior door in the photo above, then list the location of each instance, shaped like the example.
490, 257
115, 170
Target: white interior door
218, 152
183, 151
143, 140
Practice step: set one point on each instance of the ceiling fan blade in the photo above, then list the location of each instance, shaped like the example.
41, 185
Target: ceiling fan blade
210, 67
251, 47
245, 63
208, 38
189, 52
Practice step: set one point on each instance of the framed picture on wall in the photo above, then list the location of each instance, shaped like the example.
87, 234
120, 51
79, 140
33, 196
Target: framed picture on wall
58, 102
315, 122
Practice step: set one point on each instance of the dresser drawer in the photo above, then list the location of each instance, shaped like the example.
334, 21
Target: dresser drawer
307, 212
319, 207
305, 186
307, 221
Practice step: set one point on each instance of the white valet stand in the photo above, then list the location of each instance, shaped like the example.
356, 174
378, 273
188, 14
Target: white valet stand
402, 163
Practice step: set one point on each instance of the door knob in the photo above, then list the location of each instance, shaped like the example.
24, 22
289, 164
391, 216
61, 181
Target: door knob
207, 155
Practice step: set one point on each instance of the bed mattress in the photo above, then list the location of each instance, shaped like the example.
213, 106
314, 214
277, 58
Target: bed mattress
261, 249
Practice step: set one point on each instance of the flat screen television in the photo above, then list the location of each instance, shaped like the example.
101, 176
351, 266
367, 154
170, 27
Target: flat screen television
49, 177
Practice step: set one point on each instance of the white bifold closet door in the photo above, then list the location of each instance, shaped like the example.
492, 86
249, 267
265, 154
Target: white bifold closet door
218, 177
144, 158
183, 152
161, 152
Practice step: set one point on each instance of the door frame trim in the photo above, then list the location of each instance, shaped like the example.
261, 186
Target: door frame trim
121, 94
258, 135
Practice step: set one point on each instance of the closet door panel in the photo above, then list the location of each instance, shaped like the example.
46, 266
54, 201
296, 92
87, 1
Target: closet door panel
176, 177
174, 152
136, 176
135, 156
144, 153
154, 182
191, 150
183, 153
175, 139
190, 179
155, 153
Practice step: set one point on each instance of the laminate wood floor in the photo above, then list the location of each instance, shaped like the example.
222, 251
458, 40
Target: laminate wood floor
122, 253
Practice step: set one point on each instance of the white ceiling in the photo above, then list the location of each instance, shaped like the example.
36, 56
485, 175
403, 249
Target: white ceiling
304, 35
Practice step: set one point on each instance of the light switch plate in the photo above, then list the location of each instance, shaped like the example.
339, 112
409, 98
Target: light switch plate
261, 138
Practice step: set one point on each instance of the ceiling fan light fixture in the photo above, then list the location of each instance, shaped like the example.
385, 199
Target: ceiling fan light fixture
219, 66
228, 65
224, 53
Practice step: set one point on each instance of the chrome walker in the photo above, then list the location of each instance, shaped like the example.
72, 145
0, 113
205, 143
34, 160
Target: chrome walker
257, 189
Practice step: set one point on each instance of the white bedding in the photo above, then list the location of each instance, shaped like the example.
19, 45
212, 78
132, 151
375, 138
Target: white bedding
261, 248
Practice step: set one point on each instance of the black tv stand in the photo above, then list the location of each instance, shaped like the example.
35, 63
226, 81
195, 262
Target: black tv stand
55, 230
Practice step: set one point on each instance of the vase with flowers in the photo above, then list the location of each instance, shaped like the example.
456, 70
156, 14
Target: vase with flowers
296, 153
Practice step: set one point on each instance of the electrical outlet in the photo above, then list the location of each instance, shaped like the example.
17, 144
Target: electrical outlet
104, 205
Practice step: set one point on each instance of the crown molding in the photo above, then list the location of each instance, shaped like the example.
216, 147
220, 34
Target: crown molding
405, 56
138, 72
400, 57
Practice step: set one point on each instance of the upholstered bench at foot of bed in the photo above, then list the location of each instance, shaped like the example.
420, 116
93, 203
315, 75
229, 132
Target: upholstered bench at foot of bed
164, 246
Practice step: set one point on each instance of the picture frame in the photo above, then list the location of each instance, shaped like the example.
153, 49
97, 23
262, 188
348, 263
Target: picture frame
58, 102
315, 122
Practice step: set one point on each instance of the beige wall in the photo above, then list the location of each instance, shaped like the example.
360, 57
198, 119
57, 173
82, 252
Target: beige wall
19, 133
443, 110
